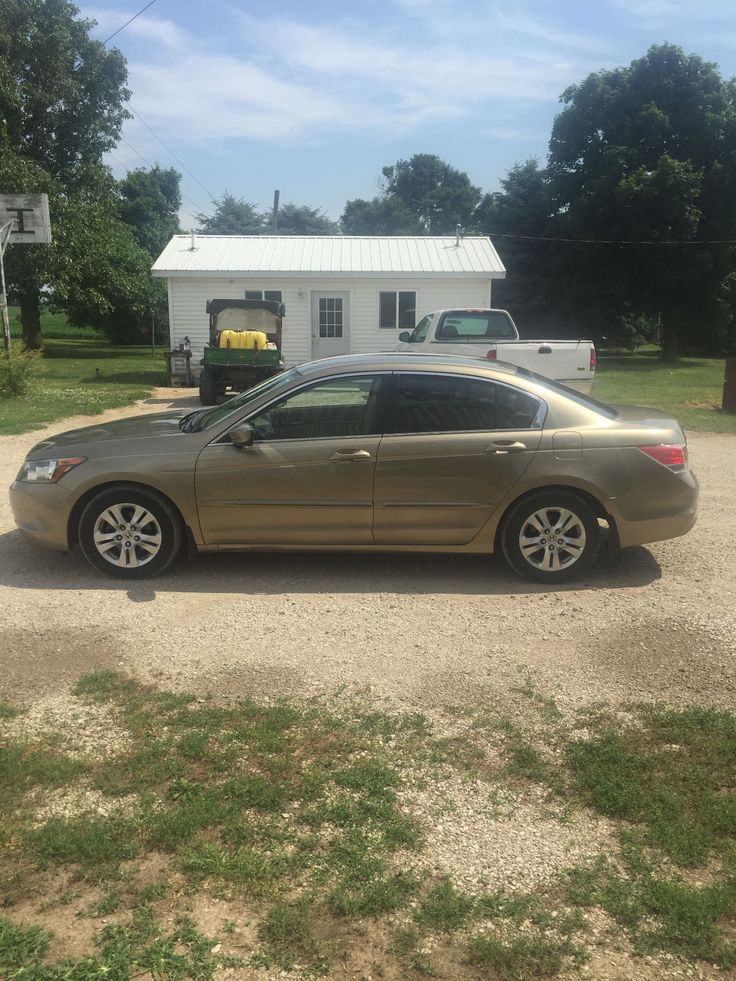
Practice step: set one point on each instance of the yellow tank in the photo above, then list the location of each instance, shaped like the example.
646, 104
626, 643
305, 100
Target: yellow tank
248, 339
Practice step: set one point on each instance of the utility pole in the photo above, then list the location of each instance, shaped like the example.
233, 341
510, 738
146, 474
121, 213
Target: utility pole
4, 240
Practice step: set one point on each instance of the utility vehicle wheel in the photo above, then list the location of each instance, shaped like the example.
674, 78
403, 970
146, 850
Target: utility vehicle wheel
551, 537
207, 388
130, 533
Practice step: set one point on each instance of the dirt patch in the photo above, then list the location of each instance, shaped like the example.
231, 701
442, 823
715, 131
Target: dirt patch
39, 661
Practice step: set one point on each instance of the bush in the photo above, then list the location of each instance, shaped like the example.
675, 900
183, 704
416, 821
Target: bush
16, 371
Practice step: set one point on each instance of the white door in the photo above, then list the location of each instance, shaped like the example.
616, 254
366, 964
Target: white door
330, 324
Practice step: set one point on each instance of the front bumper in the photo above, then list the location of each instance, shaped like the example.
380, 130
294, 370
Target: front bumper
41, 513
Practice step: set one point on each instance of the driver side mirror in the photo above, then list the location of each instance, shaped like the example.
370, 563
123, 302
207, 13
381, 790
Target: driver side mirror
405, 337
242, 436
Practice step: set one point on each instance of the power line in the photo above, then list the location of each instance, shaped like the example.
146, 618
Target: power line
149, 128
114, 33
181, 163
148, 163
606, 241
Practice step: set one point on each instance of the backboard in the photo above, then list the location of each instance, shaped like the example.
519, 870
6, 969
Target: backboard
30, 216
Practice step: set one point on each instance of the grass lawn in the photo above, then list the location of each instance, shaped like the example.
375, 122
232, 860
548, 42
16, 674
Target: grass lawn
181, 837
690, 388
79, 373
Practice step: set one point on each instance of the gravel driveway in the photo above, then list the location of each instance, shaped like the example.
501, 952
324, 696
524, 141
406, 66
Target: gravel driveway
419, 630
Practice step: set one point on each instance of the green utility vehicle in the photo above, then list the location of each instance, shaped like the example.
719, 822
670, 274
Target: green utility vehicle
244, 347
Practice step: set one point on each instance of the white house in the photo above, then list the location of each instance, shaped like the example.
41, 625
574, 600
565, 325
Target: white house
342, 294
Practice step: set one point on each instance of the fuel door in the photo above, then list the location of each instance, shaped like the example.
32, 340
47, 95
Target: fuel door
567, 445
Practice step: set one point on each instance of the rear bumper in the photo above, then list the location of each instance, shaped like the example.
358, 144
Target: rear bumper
678, 503
41, 513
654, 530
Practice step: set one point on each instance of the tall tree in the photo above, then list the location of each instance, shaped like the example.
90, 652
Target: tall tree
379, 216
296, 219
647, 153
62, 98
149, 204
232, 216
435, 193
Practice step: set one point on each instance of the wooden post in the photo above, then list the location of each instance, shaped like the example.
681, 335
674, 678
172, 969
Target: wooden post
4, 239
729, 386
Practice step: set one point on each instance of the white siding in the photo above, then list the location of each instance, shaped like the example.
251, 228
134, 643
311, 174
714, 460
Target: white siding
187, 316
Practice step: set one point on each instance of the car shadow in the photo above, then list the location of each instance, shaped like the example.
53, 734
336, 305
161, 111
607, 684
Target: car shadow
27, 567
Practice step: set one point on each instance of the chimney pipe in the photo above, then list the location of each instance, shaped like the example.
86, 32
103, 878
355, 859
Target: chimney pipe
276, 210
192, 246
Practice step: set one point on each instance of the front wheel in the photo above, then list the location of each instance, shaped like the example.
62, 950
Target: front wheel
207, 388
551, 537
130, 533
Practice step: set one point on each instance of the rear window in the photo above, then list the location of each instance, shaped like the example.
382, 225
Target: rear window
585, 400
475, 325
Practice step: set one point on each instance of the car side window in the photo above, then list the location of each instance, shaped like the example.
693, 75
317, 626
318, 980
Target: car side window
332, 407
419, 333
453, 403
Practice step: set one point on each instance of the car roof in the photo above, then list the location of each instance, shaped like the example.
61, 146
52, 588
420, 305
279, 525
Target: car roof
402, 360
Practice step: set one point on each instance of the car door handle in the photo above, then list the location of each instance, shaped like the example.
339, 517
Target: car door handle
544, 349
348, 455
506, 446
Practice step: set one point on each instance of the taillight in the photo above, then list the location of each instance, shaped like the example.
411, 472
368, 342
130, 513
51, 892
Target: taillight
593, 358
670, 455
491, 355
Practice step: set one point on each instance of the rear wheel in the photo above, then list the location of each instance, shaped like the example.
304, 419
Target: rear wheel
207, 388
551, 537
130, 533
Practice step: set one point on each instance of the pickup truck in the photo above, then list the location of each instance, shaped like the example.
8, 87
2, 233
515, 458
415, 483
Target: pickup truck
492, 335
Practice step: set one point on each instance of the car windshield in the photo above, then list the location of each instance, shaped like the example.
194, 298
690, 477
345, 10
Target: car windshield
197, 422
585, 400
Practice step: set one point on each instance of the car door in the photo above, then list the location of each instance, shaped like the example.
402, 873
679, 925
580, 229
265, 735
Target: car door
308, 477
453, 447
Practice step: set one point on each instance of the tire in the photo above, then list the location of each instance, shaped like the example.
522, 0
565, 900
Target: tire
207, 388
148, 541
558, 558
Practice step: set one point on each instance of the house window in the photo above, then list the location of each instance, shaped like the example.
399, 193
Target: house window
397, 308
330, 316
264, 295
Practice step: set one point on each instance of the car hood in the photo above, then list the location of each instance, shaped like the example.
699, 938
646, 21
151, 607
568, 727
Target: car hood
136, 427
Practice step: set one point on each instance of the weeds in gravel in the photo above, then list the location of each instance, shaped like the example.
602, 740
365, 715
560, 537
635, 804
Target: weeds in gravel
140, 948
290, 814
519, 957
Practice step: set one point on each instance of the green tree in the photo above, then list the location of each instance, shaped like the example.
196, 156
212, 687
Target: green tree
647, 153
438, 196
547, 287
149, 204
232, 216
62, 99
379, 216
296, 219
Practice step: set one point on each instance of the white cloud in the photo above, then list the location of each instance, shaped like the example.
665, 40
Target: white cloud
540, 31
285, 79
147, 28
224, 98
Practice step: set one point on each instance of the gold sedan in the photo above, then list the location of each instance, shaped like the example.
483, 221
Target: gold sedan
368, 452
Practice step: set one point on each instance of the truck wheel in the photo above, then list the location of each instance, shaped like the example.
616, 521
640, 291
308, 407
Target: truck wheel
207, 389
551, 537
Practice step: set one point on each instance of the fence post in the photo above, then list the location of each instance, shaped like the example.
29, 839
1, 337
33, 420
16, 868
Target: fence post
729, 386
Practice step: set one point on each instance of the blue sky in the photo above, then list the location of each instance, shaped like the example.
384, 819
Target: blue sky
316, 97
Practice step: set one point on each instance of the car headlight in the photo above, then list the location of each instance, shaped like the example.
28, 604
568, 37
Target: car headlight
48, 471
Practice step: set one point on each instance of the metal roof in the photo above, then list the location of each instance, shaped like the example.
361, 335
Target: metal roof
335, 255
